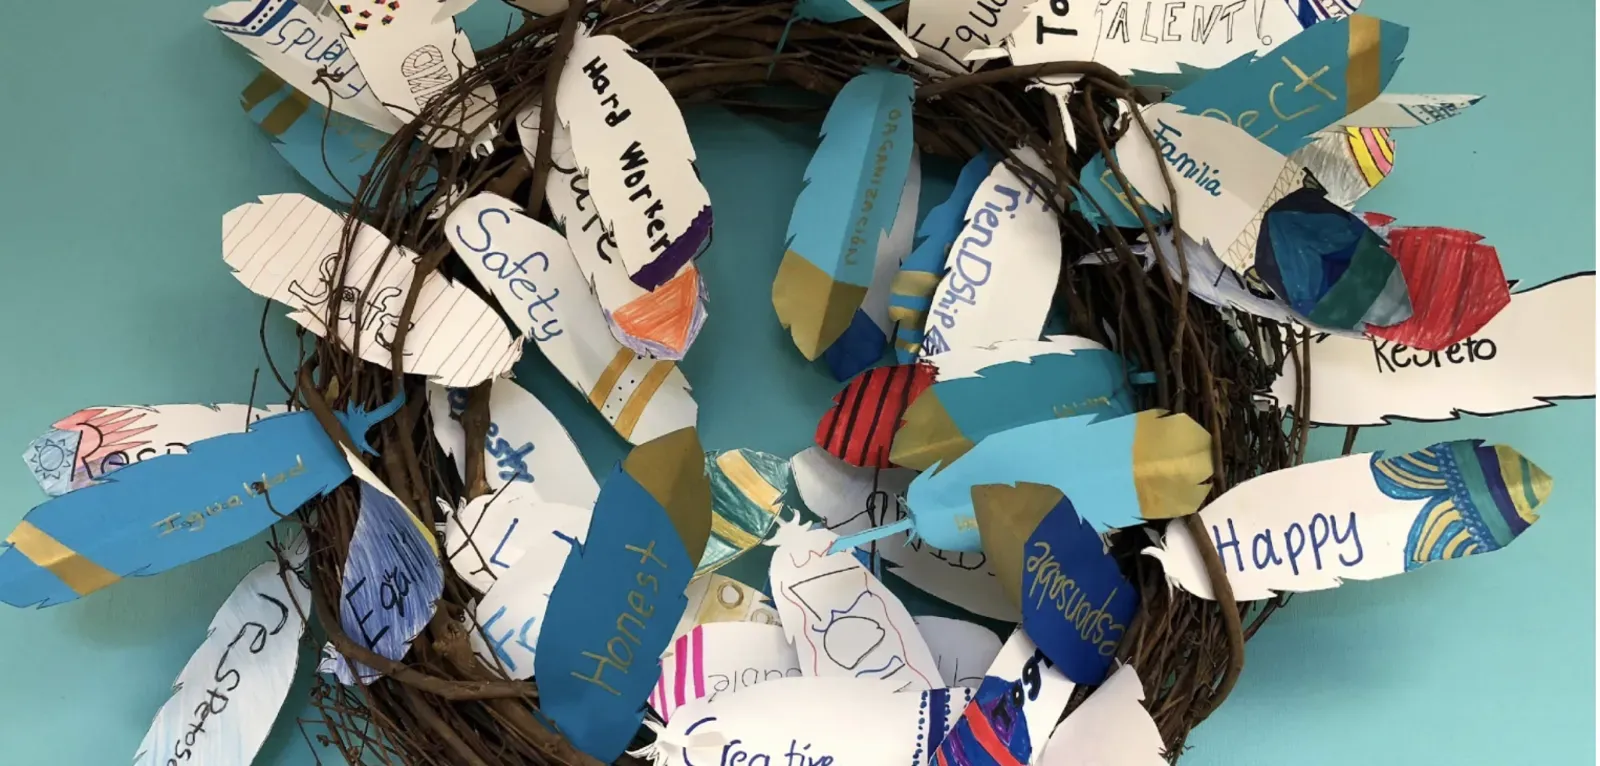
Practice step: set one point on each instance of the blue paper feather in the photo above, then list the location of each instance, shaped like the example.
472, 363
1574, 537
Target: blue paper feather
1076, 603
613, 610
835, 11
170, 510
392, 578
911, 296
851, 197
330, 153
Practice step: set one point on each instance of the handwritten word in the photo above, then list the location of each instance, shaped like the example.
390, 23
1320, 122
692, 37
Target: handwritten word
796, 756
1320, 532
1170, 18
578, 184
1023, 690
373, 315
346, 82
1093, 404
1428, 114
638, 611
745, 678
217, 699
967, 33
1391, 357
1184, 165
506, 271
426, 72
196, 520
633, 159
1061, 9
121, 459
858, 234
961, 285
1095, 625
512, 461
1248, 117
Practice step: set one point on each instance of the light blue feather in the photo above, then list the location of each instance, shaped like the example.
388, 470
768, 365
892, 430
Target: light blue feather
853, 182
392, 578
167, 511
909, 308
610, 616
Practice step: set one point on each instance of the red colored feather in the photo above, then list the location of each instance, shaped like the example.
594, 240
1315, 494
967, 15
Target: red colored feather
860, 426
1455, 283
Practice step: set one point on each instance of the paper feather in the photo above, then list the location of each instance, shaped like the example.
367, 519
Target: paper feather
747, 490
1358, 517
662, 323
1076, 604
392, 579
852, 500
1329, 266
547, 297
525, 443
834, 11
1537, 351
226, 697
490, 534
286, 248
614, 608
822, 720
538, 536
1021, 697
1454, 281
332, 152
715, 598
962, 649
863, 342
859, 428
852, 193
721, 659
1120, 471
170, 510
84, 447
628, 136
978, 392
1002, 267
1408, 110
911, 292
296, 44
1348, 162
1110, 728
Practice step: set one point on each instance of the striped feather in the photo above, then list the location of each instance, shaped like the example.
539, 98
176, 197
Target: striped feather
911, 292
747, 489
721, 658
859, 429
833, 233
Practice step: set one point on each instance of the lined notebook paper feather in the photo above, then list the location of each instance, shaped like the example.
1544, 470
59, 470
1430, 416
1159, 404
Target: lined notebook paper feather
852, 193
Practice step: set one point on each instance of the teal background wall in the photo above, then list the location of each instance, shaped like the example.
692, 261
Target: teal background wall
123, 145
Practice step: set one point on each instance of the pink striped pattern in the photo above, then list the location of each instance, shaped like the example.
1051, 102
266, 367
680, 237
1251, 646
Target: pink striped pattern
683, 676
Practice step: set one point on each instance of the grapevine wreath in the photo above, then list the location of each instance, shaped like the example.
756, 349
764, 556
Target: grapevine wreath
1091, 364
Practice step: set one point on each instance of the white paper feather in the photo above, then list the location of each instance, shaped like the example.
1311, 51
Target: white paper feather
719, 659
1111, 728
511, 614
964, 650
285, 247
525, 444
1408, 110
716, 598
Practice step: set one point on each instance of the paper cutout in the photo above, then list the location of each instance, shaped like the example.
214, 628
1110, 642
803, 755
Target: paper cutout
911, 292
747, 489
410, 58
331, 152
228, 694
863, 342
1408, 110
859, 428
809, 721
1110, 728
286, 248
833, 11
629, 138
1328, 265
641, 398
714, 598
491, 533
83, 448
167, 511
391, 581
1455, 283
662, 323
1144, 466
1539, 350
1076, 604
945, 33
296, 44
842, 620
1348, 162
1016, 707
620, 592
986, 390
962, 649
525, 443
1359, 517
721, 658
853, 187
523, 566
1002, 269
851, 500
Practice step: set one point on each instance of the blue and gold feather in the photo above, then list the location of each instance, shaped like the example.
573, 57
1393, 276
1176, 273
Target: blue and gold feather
911, 293
851, 196
1479, 497
170, 510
